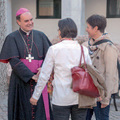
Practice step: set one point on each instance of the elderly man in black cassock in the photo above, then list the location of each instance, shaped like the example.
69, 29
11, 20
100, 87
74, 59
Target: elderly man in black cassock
25, 50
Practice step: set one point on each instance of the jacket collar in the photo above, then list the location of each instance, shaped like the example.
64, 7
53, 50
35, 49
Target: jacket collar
103, 46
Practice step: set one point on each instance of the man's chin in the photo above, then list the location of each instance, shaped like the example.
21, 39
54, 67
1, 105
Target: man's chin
30, 29
89, 36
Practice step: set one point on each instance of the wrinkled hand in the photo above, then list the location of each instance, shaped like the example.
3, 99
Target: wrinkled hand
35, 77
33, 101
103, 105
39, 70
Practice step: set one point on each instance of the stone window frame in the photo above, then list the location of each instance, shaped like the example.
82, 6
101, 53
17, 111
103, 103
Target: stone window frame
56, 10
112, 7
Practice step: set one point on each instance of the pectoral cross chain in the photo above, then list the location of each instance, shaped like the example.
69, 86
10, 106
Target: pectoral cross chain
30, 58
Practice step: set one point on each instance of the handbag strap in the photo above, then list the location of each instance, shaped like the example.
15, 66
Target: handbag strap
82, 54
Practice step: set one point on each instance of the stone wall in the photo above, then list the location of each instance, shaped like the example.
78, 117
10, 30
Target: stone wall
3, 32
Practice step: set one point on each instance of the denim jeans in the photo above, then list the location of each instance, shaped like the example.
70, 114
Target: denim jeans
100, 113
89, 114
64, 112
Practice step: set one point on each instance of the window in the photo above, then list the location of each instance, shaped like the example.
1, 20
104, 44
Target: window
48, 8
113, 8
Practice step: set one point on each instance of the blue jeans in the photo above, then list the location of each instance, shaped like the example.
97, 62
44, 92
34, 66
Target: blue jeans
100, 113
63, 112
89, 114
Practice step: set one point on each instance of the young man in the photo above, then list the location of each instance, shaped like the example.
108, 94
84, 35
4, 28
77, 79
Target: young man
25, 50
104, 58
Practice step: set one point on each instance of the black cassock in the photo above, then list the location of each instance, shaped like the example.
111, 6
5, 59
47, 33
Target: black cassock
21, 85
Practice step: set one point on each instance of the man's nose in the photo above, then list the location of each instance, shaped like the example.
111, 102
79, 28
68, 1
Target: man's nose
30, 22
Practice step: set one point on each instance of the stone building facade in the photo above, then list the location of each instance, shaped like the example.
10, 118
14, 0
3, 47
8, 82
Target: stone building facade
78, 10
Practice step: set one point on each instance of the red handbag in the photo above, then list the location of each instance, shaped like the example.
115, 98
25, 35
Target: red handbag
82, 82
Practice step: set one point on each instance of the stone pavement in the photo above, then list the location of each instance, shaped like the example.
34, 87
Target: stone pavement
114, 115
3, 107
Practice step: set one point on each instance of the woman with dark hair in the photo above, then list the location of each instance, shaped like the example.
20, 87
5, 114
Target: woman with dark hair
61, 57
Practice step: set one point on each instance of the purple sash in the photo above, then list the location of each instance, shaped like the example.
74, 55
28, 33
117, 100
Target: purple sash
33, 66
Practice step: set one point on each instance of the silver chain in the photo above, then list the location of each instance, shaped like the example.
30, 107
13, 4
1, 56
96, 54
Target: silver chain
29, 52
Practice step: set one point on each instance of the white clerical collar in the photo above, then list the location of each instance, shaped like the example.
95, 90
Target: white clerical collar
27, 33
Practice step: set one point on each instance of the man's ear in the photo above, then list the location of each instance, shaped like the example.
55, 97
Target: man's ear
18, 22
59, 33
96, 28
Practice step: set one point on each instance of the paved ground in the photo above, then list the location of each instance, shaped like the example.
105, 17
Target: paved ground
3, 107
114, 115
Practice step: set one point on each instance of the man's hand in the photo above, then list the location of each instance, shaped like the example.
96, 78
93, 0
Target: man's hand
103, 105
33, 101
39, 70
35, 77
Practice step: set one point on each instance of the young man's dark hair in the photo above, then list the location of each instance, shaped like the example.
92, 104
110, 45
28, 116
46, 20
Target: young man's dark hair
67, 28
97, 20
